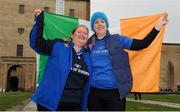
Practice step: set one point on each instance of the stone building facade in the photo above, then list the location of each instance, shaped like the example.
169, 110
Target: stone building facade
17, 59
170, 68
77, 8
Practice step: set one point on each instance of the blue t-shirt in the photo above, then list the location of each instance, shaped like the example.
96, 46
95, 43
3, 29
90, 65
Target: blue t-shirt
103, 76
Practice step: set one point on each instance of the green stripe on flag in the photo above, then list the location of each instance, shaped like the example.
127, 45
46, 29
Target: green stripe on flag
55, 27
58, 26
42, 63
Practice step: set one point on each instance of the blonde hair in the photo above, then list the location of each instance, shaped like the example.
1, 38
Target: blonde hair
73, 31
79, 27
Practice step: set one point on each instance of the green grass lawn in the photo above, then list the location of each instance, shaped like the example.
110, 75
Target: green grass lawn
136, 106
174, 98
10, 99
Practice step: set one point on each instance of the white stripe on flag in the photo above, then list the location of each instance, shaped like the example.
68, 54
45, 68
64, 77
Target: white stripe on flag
37, 68
86, 23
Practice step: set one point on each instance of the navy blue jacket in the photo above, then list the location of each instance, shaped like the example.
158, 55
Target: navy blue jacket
120, 64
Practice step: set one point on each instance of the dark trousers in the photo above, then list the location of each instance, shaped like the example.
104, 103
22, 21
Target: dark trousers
62, 107
137, 95
42, 108
105, 100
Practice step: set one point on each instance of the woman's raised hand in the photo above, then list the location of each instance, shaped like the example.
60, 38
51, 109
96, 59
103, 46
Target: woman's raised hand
37, 12
162, 22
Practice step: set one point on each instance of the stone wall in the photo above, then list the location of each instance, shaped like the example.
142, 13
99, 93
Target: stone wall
170, 66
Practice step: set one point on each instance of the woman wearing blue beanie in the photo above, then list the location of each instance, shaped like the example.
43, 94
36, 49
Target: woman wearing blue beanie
111, 78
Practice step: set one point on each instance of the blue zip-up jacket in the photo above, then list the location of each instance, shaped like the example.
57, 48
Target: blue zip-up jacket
50, 89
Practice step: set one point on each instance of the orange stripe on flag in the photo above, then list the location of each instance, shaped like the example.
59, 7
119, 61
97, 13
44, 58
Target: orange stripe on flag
145, 64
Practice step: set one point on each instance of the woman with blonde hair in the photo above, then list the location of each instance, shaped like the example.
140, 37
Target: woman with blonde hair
65, 82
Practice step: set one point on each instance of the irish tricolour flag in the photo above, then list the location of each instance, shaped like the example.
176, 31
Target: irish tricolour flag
56, 27
145, 64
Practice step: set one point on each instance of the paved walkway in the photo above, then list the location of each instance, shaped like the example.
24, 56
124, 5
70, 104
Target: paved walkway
22, 105
31, 106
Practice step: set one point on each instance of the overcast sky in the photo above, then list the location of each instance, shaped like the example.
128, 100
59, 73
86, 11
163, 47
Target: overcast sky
119, 9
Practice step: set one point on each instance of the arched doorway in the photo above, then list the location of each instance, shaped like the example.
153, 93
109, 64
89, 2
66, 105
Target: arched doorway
13, 83
14, 78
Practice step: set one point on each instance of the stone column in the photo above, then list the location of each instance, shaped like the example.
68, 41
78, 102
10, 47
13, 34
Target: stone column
1, 78
18, 76
33, 73
23, 74
5, 73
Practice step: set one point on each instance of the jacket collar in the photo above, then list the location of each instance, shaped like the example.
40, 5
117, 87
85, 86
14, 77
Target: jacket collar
107, 34
72, 45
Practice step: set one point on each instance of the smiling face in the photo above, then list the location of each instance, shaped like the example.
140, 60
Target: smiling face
80, 36
100, 27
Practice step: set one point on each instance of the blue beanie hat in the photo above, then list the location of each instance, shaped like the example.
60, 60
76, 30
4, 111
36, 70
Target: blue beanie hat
98, 15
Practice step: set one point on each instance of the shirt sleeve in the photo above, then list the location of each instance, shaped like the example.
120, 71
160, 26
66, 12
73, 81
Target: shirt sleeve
144, 43
37, 42
125, 41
